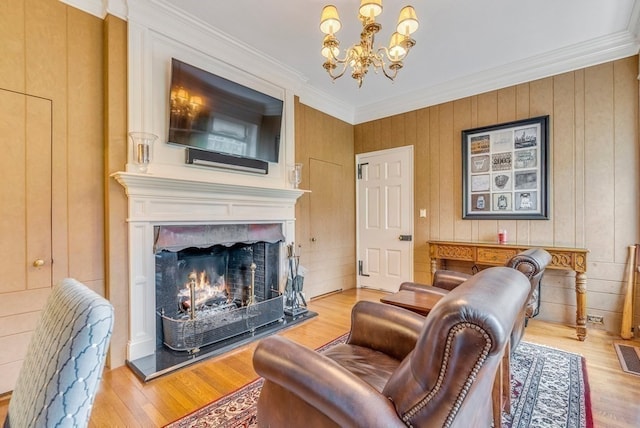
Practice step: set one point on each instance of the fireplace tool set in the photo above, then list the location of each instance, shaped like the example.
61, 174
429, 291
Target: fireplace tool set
295, 303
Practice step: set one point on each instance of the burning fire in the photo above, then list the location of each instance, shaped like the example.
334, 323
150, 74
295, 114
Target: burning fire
201, 280
205, 293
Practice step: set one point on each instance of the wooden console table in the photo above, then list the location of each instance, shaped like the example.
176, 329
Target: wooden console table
494, 254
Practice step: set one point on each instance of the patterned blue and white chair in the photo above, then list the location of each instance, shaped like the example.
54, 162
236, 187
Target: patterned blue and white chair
64, 362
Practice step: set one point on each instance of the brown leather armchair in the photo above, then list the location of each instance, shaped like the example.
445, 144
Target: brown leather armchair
531, 263
398, 368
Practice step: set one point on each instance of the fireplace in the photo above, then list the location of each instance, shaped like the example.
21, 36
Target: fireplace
214, 282
157, 201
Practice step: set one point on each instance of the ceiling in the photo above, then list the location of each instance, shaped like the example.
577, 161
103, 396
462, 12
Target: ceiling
463, 46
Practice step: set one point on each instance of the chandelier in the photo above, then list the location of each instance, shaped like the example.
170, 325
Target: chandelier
360, 57
183, 104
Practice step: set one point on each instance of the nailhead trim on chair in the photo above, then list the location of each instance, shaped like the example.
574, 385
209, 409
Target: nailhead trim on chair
465, 389
534, 267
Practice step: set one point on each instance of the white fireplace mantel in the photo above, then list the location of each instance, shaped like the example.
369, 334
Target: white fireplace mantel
160, 200
158, 196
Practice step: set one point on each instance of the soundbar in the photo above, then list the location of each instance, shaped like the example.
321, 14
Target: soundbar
218, 160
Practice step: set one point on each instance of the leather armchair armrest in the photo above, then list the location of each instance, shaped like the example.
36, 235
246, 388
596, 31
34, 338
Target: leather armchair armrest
443, 282
386, 328
421, 288
323, 384
449, 279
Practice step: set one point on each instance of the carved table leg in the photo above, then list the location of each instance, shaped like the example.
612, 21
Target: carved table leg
581, 305
434, 266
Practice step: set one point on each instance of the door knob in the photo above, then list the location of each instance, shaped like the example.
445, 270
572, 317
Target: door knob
405, 237
38, 262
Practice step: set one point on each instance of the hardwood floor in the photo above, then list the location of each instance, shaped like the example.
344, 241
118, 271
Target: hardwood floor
123, 401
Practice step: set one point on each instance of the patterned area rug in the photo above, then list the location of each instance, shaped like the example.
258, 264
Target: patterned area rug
549, 389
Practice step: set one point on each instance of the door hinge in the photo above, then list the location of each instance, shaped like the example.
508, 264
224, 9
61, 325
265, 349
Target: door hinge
360, 165
360, 263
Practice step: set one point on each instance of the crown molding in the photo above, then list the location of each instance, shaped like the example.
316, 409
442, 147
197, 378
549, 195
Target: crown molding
119, 8
161, 17
634, 20
93, 7
559, 61
164, 19
101, 8
324, 102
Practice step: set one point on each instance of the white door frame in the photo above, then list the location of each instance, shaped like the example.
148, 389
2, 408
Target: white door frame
411, 227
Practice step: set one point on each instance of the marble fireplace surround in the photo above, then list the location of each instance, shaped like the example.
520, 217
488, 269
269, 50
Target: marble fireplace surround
156, 200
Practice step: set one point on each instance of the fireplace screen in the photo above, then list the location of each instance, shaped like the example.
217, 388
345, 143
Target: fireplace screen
209, 288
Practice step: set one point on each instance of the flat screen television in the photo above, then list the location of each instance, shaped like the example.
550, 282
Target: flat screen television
213, 115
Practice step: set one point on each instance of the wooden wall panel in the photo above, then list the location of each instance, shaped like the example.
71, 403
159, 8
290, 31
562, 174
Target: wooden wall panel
434, 171
541, 103
12, 28
599, 162
579, 156
12, 198
593, 166
116, 204
52, 55
422, 192
446, 180
25, 223
563, 209
462, 121
626, 208
85, 144
45, 40
325, 219
38, 192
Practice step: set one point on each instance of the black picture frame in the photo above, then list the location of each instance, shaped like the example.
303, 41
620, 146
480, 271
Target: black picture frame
504, 170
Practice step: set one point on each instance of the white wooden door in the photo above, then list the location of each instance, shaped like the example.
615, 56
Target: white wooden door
385, 218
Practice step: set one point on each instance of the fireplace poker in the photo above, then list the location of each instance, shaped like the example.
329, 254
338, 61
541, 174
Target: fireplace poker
252, 296
192, 298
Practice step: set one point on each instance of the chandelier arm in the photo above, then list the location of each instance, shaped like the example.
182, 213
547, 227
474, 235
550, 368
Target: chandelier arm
389, 76
344, 60
344, 69
379, 56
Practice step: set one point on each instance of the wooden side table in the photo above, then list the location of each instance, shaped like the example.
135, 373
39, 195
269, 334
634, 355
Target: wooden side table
494, 254
418, 302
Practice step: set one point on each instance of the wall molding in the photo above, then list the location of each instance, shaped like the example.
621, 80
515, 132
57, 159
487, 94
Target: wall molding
160, 16
560, 61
